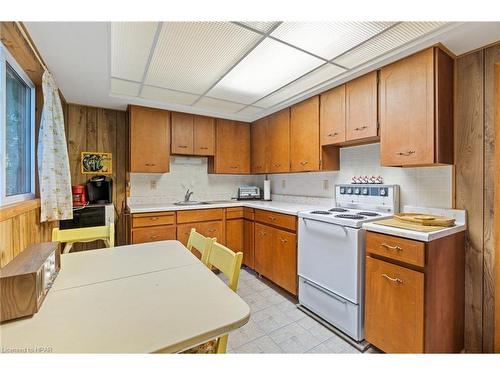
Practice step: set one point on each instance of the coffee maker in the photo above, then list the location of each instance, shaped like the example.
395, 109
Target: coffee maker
100, 190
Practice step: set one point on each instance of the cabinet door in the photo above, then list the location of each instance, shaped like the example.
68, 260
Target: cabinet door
361, 107
264, 250
259, 141
204, 135
407, 111
304, 136
332, 116
394, 307
149, 140
232, 154
279, 141
248, 243
285, 260
207, 228
234, 235
182, 133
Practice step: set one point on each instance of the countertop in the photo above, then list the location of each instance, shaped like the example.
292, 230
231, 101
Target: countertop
458, 215
290, 208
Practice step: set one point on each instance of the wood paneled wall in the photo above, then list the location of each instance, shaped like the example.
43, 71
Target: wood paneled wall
497, 209
474, 184
102, 130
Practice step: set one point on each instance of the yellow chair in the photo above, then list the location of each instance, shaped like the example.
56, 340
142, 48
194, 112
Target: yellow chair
70, 236
229, 263
200, 243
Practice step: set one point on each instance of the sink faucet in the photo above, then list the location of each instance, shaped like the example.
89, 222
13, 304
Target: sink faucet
188, 195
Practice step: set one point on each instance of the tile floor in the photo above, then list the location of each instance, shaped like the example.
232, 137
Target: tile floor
277, 326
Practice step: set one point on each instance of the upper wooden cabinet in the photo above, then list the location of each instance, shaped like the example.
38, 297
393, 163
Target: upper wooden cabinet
279, 141
416, 110
260, 149
361, 108
304, 136
232, 150
149, 140
192, 134
332, 116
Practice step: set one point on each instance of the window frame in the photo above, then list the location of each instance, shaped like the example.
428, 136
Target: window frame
6, 57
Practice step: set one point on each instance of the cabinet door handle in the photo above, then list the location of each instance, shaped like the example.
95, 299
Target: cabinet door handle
397, 248
283, 240
396, 280
233, 167
211, 230
182, 146
361, 128
333, 134
262, 234
407, 153
150, 164
203, 148
277, 165
304, 162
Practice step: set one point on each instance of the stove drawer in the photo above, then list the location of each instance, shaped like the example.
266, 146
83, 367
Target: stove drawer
401, 249
336, 310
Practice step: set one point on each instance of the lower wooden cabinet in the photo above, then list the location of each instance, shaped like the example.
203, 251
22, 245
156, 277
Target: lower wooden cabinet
207, 228
414, 294
234, 235
248, 243
152, 234
276, 256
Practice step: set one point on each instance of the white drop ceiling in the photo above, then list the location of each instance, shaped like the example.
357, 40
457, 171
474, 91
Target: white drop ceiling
239, 70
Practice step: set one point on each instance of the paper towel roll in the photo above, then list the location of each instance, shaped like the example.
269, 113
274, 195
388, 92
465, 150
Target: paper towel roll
267, 190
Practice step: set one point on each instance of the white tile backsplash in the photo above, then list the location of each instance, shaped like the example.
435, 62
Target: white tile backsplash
422, 186
187, 173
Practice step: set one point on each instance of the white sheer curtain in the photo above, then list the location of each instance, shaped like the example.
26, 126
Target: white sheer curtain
53, 163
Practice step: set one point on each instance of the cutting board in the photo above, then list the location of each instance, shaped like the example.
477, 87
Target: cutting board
425, 219
408, 225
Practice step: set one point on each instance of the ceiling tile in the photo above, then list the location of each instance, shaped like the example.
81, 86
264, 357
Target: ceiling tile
212, 104
395, 37
264, 27
327, 39
250, 110
268, 67
130, 47
121, 87
192, 56
319, 75
167, 96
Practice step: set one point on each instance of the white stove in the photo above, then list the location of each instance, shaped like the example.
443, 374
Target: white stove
331, 253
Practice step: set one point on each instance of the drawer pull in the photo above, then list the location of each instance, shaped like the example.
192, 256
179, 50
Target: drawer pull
211, 230
277, 165
397, 248
150, 164
396, 280
333, 134
233, 167
262, 234
153, 218
407, 153
154, 237
283, 240
304, 162
272, 218
203, 148
183, 146
361, 128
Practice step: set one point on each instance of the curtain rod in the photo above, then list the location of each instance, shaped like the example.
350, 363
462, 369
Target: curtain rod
33, 49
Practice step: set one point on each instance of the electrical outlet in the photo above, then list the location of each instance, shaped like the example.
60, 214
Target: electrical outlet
152, 184
326, 184
283, 184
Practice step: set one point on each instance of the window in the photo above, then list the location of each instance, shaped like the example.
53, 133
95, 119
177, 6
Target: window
17, 131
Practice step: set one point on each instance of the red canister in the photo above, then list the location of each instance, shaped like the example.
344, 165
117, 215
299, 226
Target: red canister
79, 196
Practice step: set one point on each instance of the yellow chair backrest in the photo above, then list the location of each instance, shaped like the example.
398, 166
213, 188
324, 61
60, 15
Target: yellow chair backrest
201, 243
70, 236
227, 261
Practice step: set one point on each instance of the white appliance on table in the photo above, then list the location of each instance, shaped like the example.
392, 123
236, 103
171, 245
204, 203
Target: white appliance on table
331, 254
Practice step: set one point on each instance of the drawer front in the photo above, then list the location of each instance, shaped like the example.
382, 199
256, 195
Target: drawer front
234, 213
331, 307
279, 220
401, 249
152, 234
248, 213
192, 216
148, 220
207, 229
394, 307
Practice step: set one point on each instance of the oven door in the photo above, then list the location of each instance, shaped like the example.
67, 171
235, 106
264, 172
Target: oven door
332, 257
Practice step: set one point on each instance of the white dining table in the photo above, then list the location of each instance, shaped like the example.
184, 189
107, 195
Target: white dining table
146, 298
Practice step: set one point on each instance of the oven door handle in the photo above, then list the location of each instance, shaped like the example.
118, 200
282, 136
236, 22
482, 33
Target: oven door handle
326, 223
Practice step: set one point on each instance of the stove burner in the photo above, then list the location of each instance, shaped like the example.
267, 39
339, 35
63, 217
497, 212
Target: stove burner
338, 209
350, 216
368, 213
321, 212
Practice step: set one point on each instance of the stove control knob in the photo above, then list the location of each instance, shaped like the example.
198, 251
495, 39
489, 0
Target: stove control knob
357, 191
342, 190
365, 191
349, 190
383, 192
